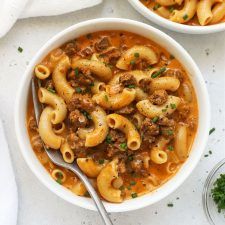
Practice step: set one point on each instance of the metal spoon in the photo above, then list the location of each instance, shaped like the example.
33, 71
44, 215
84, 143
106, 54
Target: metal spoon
56, 158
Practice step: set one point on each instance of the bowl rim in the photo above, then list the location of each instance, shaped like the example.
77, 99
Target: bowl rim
181, 28
142, 201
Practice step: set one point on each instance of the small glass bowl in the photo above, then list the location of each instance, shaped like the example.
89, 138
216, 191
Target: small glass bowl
210, 208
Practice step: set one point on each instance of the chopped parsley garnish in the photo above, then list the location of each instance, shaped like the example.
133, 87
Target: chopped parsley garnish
128, 187
122, 188
172, 57
132, 62
101, 161
206, 155
92, 84
108, 139
210, 152
185, 17
106, 98
102, 55
133, 174
78, 90
136, 54
170, 204
212, 130
51, 90
59, 181
173, 106
149, 67
218, 192
86, 194
20, 49
170, 148
159, 72
169, 132
59, 176
123, 145
155, 119
132, 183
76, 71
89, 36
164, 110
130, 86
171, 8
134, 195
130, 157
156, 6
86, 114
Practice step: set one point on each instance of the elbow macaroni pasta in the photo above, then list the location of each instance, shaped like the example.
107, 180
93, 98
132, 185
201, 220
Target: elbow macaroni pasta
98, 68
89, 167
181, 142
146, 108
59, 79
186, 13
104, 183
143, 52
116, 101
60, 110
165, 83
116, 121
46, 131
100, 130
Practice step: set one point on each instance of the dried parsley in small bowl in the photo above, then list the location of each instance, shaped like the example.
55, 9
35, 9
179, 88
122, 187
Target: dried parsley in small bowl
213, 195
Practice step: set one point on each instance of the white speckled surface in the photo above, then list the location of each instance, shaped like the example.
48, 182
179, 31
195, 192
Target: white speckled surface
37, 205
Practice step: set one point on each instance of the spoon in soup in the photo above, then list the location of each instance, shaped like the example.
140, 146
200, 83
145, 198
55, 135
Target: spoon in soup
57, 159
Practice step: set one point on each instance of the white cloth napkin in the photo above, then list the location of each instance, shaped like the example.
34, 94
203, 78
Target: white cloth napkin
8, 188
11, 10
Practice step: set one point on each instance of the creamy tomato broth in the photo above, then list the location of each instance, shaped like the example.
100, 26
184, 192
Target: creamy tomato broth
157, 131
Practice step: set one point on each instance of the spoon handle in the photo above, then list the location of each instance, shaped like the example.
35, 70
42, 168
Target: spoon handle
101, 208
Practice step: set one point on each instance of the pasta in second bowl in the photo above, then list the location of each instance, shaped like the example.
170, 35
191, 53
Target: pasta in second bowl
186, 16
133, 117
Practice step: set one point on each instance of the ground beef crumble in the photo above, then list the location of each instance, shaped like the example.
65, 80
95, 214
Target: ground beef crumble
138, 165
76, 143
127, 79
82, 102
158, 97
77, 119
167, 127
115, 139
149, 130
32, 124
71, 48
86, 52
144, 84
102, 44
110, 55
84, 77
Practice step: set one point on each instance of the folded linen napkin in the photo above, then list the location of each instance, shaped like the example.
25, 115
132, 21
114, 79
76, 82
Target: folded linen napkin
11, 10
8, 188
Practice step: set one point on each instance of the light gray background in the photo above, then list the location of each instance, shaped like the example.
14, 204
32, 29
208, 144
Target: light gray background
37, 205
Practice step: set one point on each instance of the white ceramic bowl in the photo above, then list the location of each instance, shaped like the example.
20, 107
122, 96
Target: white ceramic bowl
160, 38
175, 26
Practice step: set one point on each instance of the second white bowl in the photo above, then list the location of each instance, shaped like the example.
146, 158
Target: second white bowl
182, 28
